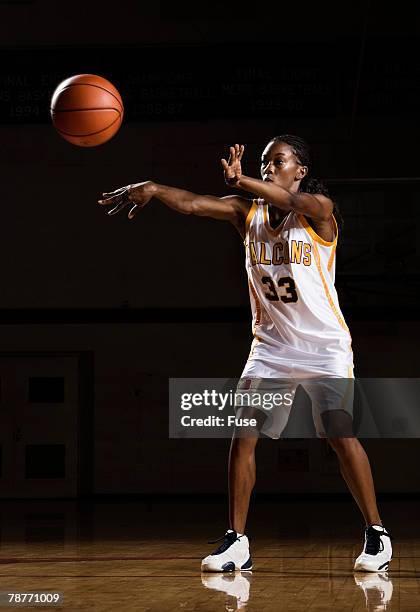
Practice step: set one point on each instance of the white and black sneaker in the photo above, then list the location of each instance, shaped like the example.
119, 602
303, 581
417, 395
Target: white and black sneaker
377, 551
232, 555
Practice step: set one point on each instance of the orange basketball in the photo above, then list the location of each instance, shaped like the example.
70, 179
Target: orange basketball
86, 110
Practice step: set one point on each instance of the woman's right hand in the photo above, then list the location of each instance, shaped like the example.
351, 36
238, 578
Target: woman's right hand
136, 195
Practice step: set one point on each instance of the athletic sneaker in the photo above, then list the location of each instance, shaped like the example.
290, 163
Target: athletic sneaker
377, 551
234, 585
377, 589
232, 555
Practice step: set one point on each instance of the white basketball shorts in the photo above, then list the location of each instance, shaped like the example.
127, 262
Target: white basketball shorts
269, 389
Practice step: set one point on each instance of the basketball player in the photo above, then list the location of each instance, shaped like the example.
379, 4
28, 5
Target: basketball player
290, 234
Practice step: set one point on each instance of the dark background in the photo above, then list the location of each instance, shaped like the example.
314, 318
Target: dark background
166, 295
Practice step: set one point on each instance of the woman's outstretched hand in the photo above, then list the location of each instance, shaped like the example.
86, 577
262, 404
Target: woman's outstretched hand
136, 196
232, 168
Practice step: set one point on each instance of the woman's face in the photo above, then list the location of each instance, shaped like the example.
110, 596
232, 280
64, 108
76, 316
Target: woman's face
279, 165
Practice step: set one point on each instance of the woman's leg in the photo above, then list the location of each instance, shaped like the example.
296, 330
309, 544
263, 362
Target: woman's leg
356, 471
242, 474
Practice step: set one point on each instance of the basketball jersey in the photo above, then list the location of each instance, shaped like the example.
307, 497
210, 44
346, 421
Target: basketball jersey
295, 309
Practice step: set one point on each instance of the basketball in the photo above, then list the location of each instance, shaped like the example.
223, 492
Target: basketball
86, 110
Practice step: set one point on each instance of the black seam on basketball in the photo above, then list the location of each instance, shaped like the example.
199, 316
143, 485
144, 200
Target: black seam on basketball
90, 133
92, 85
75, 110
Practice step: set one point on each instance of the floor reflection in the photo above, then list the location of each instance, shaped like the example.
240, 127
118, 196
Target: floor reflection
236, 586
377, 589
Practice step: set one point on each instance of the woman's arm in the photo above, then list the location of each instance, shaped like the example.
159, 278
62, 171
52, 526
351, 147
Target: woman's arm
228, 208
316, 206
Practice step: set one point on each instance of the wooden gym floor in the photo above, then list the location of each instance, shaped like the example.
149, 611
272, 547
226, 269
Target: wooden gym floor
146, 556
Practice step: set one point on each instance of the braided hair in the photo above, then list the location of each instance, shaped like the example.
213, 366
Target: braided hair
308, 184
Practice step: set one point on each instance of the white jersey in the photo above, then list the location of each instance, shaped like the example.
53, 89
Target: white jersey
297, 319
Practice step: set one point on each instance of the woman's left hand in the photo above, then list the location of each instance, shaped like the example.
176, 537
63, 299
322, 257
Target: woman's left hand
232, 168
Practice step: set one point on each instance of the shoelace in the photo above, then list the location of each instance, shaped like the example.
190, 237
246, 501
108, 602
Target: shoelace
374, 544
228, 539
